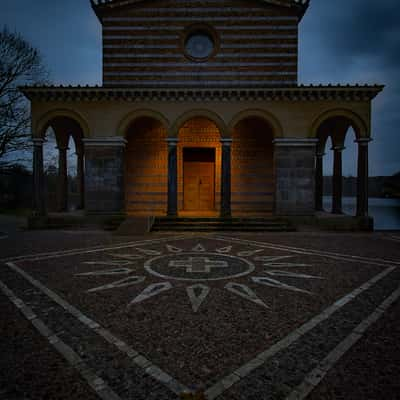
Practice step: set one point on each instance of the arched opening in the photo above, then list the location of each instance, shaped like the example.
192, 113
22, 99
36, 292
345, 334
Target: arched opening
199, 167
338, 179
146, 174
63, 160
253, 184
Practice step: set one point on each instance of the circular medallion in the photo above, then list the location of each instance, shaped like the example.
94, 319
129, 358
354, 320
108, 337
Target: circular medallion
198, 266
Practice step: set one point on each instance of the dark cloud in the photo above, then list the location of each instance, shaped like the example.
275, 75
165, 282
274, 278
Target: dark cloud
347, 41
358, 41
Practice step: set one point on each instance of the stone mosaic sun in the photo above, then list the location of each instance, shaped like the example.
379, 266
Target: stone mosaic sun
198, 267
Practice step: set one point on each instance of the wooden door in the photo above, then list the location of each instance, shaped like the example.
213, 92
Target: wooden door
198, 184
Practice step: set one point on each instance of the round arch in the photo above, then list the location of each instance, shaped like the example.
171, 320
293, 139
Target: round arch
358, 124
216, 119
134, 115
265, 115
45, 121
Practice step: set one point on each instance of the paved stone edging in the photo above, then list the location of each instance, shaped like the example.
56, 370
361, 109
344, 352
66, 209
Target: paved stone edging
94, 381
328, 254
313, 379
140, 361
259, 361
86, 250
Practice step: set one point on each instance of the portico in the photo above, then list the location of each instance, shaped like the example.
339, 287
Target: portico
259, 162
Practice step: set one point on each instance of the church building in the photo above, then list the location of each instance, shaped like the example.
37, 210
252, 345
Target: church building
200, 114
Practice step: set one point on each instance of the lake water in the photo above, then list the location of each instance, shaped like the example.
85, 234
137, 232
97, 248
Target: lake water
386, 212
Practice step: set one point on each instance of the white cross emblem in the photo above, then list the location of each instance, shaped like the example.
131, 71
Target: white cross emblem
198, 264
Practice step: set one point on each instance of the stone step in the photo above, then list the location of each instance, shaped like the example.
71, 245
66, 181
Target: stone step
221, 224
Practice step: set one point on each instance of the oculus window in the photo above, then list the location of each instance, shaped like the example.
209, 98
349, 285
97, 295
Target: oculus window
199, 45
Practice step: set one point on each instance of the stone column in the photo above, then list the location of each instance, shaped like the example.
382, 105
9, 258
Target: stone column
294, 161
319, 181
172, 207
80, 176
39, 203
337, 182
62, 180
362, 177
226, 178
104, 175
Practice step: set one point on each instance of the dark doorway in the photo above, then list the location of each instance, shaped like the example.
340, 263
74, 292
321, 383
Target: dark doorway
198, 179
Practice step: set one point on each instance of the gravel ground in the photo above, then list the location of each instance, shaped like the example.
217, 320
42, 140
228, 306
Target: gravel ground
371, 369
29, 368
197, 348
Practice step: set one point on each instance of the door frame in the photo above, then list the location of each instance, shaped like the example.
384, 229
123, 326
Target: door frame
213, 211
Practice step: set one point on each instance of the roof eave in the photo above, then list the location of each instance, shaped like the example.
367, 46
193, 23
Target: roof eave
99, 6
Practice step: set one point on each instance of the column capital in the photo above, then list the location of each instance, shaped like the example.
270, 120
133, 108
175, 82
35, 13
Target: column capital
338, 148
226, 141
116, 141
363, 141
38, 141
296, 142
172, 141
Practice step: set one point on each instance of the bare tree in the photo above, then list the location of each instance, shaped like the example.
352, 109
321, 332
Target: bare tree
20, 64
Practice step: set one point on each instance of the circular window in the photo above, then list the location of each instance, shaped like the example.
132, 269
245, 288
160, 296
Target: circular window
199, 44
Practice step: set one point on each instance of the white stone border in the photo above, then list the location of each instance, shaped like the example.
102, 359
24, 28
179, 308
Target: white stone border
95, 382
225, 383
311, 252
242, 372
313, 378
87, 250
150, 368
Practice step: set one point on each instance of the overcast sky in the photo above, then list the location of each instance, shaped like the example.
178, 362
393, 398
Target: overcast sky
341, 41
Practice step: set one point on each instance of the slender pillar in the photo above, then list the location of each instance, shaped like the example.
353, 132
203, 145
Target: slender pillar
226, 178
319, 182
362, 177
80, 175
39, 204
172, 210
62, 182
337, 183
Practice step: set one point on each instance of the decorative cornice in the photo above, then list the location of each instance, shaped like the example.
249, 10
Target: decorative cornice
100, 7
294, 93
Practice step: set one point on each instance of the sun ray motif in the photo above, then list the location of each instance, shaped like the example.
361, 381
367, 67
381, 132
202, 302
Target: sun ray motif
178, 262
277, 284
116, 263
149, 252
173, 249
224, 250
245, 292
197, 298
106, 272
199, 247
286, 265
127, 256
249, 253
291, 274
270, 259
151, 290
131, 280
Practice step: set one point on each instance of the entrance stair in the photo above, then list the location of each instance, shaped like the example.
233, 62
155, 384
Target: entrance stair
209, 224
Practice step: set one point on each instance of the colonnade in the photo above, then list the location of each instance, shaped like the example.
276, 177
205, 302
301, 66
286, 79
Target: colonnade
39, 198
337, 179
